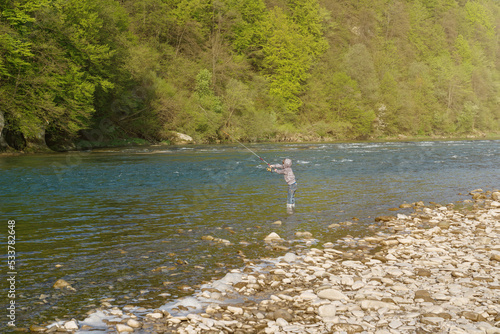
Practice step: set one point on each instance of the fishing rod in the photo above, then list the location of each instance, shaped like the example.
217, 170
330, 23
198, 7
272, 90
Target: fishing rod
235, 138
247, 148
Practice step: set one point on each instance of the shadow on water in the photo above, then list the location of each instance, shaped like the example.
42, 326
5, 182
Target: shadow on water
130, 225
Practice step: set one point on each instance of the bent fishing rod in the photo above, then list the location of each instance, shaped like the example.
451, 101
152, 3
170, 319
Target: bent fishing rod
247, 148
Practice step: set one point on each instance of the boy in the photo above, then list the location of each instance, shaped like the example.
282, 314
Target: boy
286, 170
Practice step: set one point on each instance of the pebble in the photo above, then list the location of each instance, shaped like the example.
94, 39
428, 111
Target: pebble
71, 325
436, 270
273, 236
61, 284
332, 294
155, 315
120, 328
133, 323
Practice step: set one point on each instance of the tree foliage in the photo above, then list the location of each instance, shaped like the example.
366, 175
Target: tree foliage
261, 69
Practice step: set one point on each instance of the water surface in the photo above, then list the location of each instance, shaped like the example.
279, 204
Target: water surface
128, 224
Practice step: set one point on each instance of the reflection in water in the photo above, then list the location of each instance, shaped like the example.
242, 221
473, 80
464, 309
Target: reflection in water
129, 225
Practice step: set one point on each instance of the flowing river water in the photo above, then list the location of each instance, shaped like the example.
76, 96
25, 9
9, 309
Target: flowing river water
127, 225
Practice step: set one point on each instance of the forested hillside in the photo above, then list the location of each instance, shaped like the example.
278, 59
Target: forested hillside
97, 70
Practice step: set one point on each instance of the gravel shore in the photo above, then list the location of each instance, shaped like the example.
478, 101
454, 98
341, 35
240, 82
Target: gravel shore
436, 270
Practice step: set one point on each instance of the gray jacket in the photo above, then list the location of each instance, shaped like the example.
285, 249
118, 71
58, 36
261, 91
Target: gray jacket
286, 170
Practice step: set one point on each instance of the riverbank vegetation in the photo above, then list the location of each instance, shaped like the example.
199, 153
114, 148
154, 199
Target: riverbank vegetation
81, 71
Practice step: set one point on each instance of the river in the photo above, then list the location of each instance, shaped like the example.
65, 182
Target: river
128, 224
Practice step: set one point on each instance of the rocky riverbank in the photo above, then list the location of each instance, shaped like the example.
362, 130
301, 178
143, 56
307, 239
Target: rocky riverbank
436, 270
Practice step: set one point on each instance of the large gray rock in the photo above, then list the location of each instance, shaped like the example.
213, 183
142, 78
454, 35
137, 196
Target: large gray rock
181, 138
3, 144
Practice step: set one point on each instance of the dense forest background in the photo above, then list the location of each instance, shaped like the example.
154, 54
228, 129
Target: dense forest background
75, 71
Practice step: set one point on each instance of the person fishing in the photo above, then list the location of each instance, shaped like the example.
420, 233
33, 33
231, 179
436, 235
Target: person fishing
286, 170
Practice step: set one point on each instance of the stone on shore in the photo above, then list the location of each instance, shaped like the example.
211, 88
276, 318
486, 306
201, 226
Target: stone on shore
121, 328
180, 138
71, 325
332, 294
133, 323
496, 196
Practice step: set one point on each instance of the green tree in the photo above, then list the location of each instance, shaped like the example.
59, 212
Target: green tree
309, 18
23, 118
286, 61
71, 56
347, 109
360, 67
248, 17
426, 36
289, 49
209, 121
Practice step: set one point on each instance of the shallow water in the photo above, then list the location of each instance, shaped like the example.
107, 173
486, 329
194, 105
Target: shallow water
127, 224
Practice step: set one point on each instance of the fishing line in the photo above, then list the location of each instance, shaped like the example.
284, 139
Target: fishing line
208, 118
247, 148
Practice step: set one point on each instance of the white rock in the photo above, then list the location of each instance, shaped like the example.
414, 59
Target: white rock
332, 294
181, 138
290, 257
271, 329
436, 321
459, 301
378, 271
71, 325
309, 259
305, 235
116, 312
441, 297
272, 237
376, 305
394, 272
308, 295
434, 250
395, 323
406, 241
471, 329
175, 320
399, 287
235, 310
347, 280
279, 272
281, 322
456, 330
357, 285
434, 309
327, 311
155, 315
133, 323
120, 328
